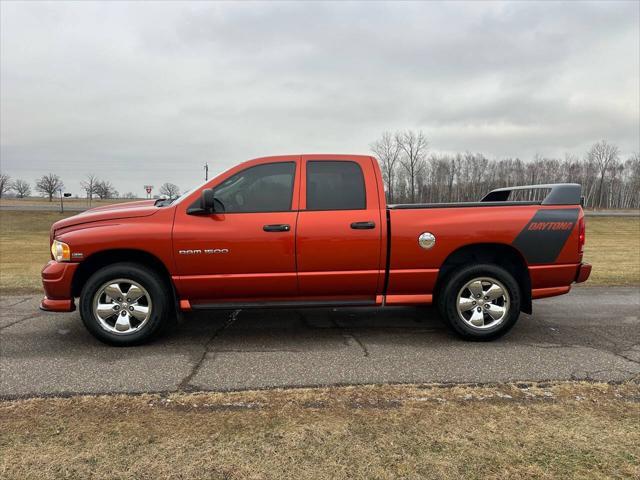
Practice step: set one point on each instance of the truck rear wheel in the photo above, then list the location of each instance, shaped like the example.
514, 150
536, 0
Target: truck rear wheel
124, 304
481, 302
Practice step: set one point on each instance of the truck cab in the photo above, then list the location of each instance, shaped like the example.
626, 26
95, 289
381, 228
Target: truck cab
301, 228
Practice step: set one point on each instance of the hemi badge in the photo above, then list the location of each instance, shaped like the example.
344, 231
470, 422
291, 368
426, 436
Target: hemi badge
77, 255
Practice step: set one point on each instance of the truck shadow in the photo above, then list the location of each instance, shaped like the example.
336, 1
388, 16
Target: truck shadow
308, 329
294, 330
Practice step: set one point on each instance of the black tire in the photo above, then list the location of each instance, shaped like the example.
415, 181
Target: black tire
439, 296
159, 293
448, 303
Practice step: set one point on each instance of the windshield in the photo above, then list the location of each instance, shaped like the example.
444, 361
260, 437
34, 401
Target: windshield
184, 195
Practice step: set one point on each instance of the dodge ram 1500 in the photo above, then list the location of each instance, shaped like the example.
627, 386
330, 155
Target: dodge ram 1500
313, 230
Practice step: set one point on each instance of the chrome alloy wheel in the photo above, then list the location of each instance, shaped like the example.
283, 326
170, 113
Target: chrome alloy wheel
483, 303
122, 306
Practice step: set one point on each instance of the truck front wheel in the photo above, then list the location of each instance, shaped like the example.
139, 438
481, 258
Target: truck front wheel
481, 302
124, 304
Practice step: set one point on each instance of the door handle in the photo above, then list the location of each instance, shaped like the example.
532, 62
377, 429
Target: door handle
280, 227
363, 225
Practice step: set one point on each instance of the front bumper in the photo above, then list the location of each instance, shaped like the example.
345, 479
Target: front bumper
56, 280
584, 270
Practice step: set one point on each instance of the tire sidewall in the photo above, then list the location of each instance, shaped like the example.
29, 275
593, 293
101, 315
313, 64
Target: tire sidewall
145, 277
450, 299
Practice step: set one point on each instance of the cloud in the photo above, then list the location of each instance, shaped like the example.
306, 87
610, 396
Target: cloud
148, 92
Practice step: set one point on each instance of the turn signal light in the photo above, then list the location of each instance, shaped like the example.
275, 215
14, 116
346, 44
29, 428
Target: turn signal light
60, 251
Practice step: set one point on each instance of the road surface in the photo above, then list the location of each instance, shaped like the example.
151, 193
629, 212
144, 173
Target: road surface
593, 334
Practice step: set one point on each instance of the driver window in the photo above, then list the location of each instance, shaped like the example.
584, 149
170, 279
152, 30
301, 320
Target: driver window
263, 188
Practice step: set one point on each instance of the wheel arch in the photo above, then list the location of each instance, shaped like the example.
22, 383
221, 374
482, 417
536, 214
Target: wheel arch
499, 254
101, 259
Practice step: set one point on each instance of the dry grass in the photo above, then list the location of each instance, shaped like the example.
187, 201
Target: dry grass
565, 430
24, 249
613, 247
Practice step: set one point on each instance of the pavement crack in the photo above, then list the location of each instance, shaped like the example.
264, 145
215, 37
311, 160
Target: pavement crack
552, 346
303, 319
549, 346
184, 384
28, 317
360, 343
16, 303
349, 333
626, 358
258, 350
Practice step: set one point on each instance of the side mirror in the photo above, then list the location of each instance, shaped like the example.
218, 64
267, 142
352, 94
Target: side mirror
206, 204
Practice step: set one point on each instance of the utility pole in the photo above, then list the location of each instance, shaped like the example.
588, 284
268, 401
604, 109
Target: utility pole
62, 195
206, 172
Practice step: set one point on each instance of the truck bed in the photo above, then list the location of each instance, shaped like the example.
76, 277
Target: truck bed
551, 252
415, 206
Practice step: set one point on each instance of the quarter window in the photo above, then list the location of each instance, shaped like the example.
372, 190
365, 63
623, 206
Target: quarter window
263, 188
335, 185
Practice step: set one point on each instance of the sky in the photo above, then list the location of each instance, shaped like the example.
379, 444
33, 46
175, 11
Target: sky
146, 93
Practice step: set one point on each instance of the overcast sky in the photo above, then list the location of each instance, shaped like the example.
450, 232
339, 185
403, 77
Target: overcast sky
143, 93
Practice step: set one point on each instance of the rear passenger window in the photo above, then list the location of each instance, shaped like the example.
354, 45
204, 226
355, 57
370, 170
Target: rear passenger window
335, 186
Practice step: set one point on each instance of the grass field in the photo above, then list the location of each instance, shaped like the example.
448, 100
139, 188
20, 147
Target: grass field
565, 430
24, 249
613, 247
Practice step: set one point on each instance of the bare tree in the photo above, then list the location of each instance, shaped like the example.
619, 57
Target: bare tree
49, 185
5, 184
22, 188
453, 171
631, 185
414, 147
170, 190
606, 181
387, 150
104, 189
89, 186
128, 195
603, 155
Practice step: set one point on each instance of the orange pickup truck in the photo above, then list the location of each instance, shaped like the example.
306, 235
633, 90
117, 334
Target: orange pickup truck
313, 230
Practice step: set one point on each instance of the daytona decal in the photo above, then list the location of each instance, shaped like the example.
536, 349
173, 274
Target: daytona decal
543, 238
550, 226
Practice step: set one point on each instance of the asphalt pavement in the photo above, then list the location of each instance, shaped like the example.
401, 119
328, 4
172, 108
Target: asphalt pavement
593, 333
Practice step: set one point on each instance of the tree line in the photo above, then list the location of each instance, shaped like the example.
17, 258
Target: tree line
51, 186
412, 174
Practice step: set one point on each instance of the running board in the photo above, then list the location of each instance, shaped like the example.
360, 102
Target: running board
277, 304
379, 301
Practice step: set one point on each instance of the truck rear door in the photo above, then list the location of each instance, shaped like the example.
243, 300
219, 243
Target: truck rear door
339, 229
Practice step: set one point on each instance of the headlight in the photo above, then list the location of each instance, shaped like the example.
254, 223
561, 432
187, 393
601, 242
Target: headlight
60, 251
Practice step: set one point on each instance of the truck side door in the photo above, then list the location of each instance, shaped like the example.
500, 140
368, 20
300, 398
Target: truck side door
339, 232
246, 253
